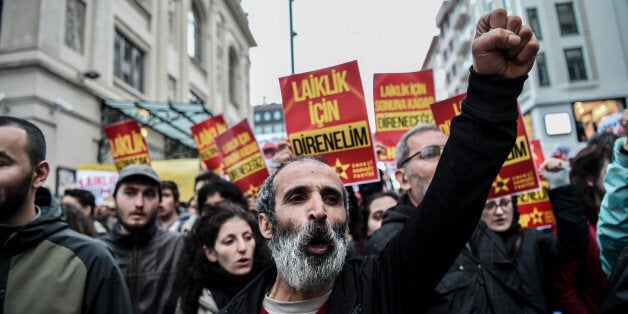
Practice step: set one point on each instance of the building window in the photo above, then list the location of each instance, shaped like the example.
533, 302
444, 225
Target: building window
597, 116
233, 79
277, 115
575, 64
268, 129
128, 62
566, 18
193, 98
172, 88
74, 24
541, 67
278, 128
533, 18
257, 117
258, 129
194, 33
266, 116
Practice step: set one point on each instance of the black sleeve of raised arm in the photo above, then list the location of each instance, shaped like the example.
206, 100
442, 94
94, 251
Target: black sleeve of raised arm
481, 138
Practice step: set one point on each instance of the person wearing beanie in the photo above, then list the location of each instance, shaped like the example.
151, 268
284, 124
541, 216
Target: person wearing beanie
147, 255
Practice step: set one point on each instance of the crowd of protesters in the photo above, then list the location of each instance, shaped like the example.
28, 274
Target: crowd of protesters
308, 244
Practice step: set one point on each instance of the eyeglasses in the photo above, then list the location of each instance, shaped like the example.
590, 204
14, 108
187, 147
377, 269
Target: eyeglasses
429, 153
504, 203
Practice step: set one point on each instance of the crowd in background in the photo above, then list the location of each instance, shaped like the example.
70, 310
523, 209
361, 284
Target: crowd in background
557, 269
327, 248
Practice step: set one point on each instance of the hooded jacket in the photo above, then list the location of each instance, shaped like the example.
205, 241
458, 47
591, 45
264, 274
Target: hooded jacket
402, 276
617, 298
149, 260
612, 225
45, 267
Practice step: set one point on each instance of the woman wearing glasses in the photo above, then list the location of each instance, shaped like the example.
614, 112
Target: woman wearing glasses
506, 269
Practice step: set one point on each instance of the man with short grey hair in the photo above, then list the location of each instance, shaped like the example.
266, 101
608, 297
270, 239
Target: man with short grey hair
416, 155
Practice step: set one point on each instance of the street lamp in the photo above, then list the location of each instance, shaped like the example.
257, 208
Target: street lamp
292, 35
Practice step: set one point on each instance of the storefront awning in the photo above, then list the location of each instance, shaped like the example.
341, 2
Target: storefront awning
171, 119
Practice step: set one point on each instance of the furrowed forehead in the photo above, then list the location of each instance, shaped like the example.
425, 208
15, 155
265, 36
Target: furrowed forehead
307, 173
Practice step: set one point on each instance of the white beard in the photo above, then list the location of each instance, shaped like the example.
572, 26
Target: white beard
300, 269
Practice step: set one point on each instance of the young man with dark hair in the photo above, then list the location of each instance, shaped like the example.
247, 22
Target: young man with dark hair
86, 201
147, 255
44, 266
168, 213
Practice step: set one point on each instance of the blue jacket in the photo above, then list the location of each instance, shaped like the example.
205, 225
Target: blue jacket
612, 226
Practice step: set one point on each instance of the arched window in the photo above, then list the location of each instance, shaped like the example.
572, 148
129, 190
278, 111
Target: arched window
233, 76
194, 33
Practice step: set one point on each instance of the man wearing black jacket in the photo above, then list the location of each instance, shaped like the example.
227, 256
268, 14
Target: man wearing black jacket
303, 205
147, 255
417, 155
44, 266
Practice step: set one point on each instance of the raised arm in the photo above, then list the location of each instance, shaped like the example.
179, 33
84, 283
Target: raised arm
482, 136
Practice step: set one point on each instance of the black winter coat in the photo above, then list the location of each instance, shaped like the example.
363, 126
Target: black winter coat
394, 219
617, 299
400, 278
485, 278
149, 261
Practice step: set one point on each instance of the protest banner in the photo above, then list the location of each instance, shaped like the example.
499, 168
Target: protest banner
401, 100
98, 179
518, 174
242, 158
537, 153
204, 134
535, 208
127, 144
444, 111
180, 171
269, 145
326, 116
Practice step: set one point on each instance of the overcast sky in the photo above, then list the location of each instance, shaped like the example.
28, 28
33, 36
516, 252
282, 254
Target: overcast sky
384, 36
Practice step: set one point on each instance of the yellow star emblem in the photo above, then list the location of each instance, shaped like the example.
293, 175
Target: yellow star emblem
253, 190
537, 216
341, 169
500, 184
524, 220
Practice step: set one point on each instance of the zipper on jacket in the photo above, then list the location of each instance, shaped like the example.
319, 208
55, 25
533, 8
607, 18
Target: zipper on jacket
134, 275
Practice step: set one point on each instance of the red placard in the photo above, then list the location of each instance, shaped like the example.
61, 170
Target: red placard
518, 174
242, 158
127, 144
401, 100
444, 111
204, 134
535, 208
537, 153
326, 116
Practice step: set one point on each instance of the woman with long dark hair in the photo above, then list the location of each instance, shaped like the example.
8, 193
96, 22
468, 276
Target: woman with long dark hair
222, 254
581, 285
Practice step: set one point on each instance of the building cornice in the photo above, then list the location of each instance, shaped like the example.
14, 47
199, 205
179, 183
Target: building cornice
242, 21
